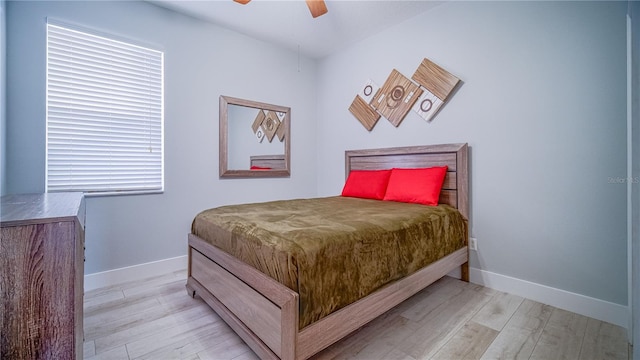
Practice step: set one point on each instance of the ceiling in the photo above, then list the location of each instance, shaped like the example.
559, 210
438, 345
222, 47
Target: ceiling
289, 22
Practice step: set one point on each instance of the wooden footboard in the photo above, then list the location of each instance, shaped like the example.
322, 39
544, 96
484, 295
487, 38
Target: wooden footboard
264, 313
261, 310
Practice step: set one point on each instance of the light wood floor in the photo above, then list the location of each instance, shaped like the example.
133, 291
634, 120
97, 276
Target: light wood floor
156, 319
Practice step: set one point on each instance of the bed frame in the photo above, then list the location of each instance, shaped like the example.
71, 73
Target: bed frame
264, 313
270, 161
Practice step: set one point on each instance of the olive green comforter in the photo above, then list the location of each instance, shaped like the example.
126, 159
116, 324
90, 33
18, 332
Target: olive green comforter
333, 251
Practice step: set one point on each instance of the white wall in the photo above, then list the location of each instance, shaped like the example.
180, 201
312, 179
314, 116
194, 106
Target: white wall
543, 108
634, 12
202, 62
3, 104
246, 143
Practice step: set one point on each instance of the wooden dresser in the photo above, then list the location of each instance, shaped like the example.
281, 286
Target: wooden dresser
41, 276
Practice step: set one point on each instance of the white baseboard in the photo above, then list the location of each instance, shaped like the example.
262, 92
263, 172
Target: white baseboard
584, 305
135, 272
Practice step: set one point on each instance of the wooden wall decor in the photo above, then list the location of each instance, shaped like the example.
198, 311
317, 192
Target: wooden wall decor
267, 124
280, 131
236, 118
258, 121
427, 105
361, 108
399, 94
438, 83
260, 134
396, 97
435, 79
366, 114
368, 91
270, 125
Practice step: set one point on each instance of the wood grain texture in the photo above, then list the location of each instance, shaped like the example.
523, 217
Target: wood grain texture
223, 144
254, 342
462, 163
25, 209
303, 343
562, 336
454, 156
434, 78
521, 333
496, 314
270, 161
449, 197
396, 97
174, 326
317, 7
603, 341
122, 333
470, 342
271, 124
282, 130
442, 322
257, 121
405, 157
335, 326
265, 285
41, 277
179, 342
367, 115
417, 160
257, 312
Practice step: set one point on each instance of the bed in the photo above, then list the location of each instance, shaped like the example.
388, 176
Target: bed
268, 314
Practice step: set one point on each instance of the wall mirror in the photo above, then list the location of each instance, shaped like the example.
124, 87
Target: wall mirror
255, 139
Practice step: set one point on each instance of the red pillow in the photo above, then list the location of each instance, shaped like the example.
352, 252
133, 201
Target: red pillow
254, 167
421, 186
368, 184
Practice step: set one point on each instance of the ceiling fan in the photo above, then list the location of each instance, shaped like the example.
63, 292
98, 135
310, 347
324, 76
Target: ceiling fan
317, 7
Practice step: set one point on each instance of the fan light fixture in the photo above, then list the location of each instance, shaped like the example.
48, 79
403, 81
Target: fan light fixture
317, 7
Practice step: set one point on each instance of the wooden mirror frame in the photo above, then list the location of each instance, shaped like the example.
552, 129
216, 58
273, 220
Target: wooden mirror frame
225, 172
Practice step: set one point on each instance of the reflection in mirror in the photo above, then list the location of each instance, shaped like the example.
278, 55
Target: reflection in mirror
254, 139
252, 132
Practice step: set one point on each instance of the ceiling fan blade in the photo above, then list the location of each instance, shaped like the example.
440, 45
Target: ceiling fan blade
243, 2
317, 7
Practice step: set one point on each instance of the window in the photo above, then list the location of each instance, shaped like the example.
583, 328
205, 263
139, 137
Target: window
104, 114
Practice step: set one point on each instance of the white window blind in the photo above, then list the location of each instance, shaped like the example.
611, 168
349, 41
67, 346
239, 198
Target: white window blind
104, 114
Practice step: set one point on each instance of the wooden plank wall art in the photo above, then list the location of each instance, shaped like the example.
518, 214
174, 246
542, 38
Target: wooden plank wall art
267, 124
429, 90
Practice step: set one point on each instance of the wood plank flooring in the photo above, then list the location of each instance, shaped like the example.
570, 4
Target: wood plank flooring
451, 319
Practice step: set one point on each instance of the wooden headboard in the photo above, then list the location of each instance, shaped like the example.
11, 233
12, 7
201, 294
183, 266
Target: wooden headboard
455, 190
268, 161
